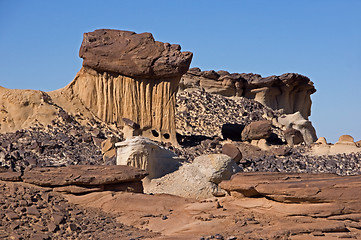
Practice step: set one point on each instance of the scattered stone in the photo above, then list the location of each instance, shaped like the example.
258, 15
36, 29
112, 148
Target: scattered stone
232, 151
56, 218
257, 130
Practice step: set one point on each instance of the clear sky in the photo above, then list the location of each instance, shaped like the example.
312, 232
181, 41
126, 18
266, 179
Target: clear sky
40, 40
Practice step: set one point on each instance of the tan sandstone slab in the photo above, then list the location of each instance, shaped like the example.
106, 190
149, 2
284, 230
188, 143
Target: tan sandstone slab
332, 193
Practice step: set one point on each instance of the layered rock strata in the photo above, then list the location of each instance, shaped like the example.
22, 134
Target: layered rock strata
289, 92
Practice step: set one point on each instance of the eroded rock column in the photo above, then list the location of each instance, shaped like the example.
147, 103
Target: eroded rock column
129, 75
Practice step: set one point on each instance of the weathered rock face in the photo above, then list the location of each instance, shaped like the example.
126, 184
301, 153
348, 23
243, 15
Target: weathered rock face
290, 92
130, 76
133, 55
145, 154
298, 122
197, 180
150, 103
300, 188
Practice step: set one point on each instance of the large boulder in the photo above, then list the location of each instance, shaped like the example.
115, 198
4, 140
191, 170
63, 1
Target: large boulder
134, 55
198, 180
145, 154
257, 130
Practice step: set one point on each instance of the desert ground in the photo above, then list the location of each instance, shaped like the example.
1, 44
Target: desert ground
140, 146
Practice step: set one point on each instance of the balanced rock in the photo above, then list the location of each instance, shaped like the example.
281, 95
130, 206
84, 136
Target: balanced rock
133, 55
120, 69
257, 130
141, 152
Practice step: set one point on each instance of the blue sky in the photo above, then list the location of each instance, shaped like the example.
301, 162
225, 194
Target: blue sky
40, 40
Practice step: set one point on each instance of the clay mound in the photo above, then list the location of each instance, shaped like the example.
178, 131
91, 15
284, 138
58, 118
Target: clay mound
24, 108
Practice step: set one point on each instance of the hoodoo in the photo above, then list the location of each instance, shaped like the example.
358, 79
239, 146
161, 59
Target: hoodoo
124, 75
129, 75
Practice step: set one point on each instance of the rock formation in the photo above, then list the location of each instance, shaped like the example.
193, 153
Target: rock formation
124, 75
289, 92
197, 180
81, 179
141, 152
131, 76
298, 122
344, 145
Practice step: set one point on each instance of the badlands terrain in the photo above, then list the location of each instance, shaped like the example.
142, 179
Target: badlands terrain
139, 146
